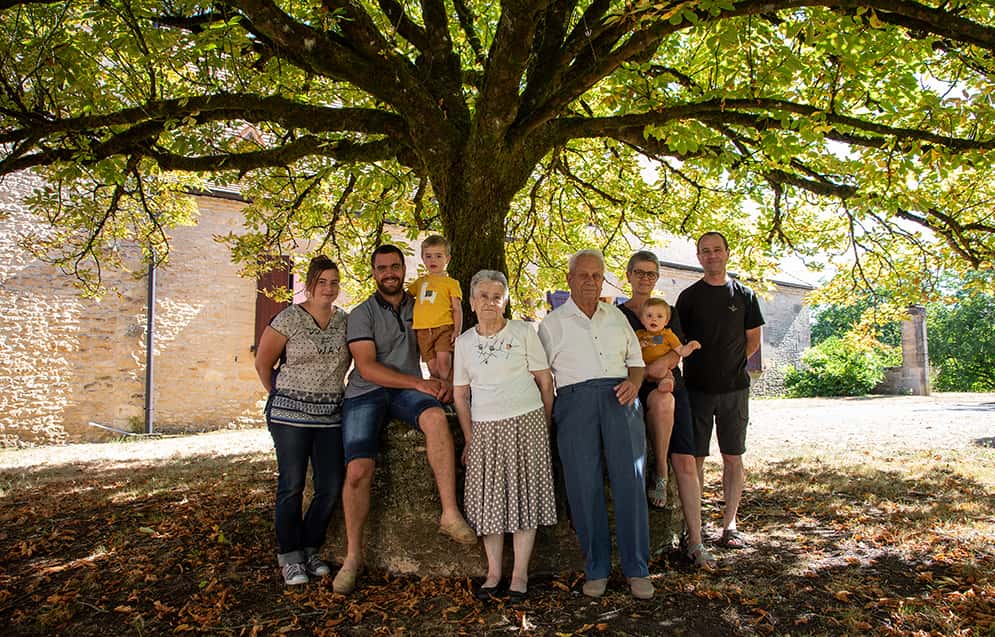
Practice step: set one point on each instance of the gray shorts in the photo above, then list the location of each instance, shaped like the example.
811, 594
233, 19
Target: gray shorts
730, 412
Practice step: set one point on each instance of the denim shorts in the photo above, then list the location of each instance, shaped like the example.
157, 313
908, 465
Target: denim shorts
363, 416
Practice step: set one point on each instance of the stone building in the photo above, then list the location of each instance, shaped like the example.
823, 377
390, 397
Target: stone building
66, 361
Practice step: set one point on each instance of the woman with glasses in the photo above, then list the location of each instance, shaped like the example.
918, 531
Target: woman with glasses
668, 414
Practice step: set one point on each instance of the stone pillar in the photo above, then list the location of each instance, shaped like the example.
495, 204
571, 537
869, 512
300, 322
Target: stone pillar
915, 352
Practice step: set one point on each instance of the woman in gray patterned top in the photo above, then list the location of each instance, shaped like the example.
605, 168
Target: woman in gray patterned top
304, 414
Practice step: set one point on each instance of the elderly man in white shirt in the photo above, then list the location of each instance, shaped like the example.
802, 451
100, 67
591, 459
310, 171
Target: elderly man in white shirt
598, 366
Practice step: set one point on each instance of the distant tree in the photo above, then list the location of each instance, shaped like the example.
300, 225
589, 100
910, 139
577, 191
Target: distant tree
962, 342
829, 320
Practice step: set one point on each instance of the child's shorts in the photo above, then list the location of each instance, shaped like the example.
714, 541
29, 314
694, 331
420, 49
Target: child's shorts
434, 339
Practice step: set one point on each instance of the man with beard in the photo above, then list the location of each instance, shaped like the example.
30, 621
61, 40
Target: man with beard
386, 382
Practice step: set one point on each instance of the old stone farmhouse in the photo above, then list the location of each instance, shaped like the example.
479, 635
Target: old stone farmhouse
70, 365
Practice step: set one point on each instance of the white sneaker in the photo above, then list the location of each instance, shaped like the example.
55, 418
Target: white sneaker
315, 567
295, 574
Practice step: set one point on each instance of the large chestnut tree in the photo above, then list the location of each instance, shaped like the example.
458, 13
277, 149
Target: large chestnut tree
521, 129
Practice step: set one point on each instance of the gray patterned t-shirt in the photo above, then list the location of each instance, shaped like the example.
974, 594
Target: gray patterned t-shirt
316, 359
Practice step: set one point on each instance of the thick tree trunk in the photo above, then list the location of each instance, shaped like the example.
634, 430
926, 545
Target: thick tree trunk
475, 194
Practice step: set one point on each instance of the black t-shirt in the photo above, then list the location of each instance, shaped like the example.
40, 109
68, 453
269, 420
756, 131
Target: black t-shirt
674, 325
717, 316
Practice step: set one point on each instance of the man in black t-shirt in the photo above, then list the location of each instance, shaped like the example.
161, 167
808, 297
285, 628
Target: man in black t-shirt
724, 316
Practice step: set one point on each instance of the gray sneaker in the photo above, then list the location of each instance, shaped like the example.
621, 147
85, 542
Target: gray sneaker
295, 574
315, 567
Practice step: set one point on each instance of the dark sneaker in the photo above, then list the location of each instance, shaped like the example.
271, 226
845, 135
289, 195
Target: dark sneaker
315, 567
294, 574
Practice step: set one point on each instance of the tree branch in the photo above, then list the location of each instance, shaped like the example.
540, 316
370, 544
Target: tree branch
465, 17
341, 151
405, 26
608, 52
506, 63
737, 111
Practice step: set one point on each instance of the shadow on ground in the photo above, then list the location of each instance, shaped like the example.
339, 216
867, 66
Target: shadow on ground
186, 545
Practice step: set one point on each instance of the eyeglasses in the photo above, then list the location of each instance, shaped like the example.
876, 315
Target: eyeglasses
644, 274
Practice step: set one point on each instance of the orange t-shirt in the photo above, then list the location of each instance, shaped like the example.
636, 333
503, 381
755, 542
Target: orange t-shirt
656, 344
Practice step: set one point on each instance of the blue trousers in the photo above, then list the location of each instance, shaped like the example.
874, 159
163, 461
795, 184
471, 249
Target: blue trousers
594, 432
299, 535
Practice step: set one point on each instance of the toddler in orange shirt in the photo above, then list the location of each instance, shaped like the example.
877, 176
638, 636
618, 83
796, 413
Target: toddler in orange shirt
658, 339
438, 313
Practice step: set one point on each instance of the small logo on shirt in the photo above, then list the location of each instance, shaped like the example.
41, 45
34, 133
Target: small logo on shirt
427, 295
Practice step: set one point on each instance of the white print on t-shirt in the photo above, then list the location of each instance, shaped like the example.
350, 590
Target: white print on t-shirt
426, 295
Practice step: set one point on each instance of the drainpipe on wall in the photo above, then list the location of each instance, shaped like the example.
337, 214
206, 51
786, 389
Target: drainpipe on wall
149, 340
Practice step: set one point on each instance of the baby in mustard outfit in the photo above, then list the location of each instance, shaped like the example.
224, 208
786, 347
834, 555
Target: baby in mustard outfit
658, 339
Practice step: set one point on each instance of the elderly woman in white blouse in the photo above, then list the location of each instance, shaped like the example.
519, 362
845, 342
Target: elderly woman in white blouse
503, 391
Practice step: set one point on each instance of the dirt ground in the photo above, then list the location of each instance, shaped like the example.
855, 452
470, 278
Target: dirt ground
865, 516
940, 421
778, 427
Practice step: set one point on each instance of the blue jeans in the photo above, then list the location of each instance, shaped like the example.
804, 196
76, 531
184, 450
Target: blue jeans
594, 432
297, 536
364, 415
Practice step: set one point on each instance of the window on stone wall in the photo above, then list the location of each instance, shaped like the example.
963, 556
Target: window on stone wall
267, 308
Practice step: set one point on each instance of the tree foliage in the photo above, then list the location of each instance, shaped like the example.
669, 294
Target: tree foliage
961, 337
520, 129
960, 328
850, 365
829, 320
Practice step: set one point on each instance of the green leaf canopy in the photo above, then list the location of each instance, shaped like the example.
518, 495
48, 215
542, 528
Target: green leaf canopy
521, 129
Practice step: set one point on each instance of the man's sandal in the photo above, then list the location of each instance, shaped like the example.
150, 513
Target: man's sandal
701, 558
657, 496
732, 539
345, 580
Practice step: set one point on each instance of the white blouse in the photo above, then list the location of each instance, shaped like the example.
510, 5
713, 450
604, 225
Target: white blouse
498, 369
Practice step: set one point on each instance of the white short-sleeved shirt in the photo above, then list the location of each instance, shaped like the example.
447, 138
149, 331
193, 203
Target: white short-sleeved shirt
581, 348
498, 369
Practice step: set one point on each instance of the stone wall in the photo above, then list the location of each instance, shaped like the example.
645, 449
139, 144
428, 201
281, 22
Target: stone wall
912, 377
205, 315
66, 361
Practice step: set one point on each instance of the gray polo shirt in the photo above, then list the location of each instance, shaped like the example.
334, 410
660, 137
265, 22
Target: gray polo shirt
397, 347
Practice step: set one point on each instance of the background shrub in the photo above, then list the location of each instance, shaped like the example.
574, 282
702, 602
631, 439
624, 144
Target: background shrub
851, 365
